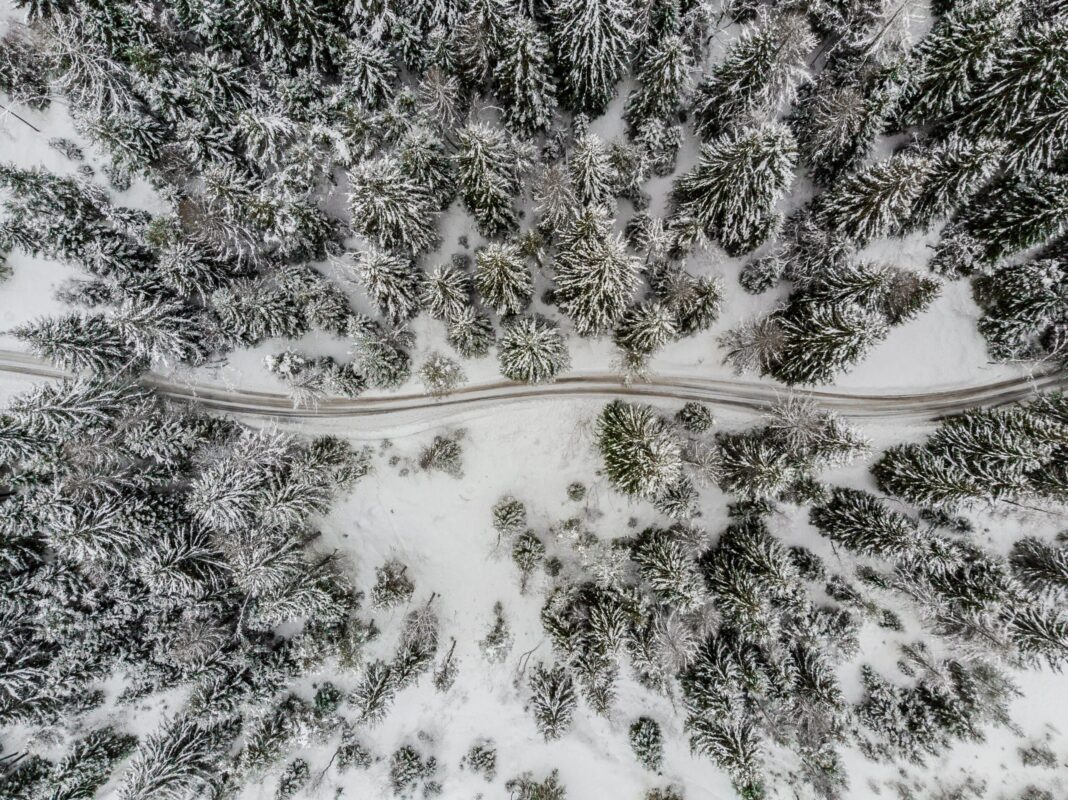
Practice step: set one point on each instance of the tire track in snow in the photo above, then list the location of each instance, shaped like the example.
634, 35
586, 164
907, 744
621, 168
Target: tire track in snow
740, 395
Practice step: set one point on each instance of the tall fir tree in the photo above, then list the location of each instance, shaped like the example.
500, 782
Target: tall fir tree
592, 41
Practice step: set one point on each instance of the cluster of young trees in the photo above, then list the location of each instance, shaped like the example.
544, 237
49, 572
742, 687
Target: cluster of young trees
750, 633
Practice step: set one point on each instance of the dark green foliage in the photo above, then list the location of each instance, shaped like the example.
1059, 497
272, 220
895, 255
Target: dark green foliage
482, 758
552, 700
695, 417
730, 196
1024, 307
591, 42
646, 741
392, 586
860, 522
408, 768
525, 787
1041, 567
641, 453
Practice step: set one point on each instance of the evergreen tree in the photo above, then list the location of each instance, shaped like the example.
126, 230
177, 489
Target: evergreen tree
840, 113
1012, 215
532, 350
819, 342
1041, 567
489, 171
878, 200
182, 758
441, 375
661, 72
862, 523
641, 453
503, 278
552, 700
958, 170
591, 42
470, 333
956, 59
80, 343
523, 77
390, 208
524, 787
446, 292
391, 282
647, 743
668, 570
592, 173
730, 196
595, 277
374, 693
695, 301
758, 76
392, 586
424, 161
644, 329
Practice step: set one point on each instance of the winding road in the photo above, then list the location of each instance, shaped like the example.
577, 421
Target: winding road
734, 394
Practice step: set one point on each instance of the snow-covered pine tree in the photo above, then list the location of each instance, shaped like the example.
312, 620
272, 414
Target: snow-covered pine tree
423, 159
390, 208
503, 279
595, 276
877, 200
553, 700
490, 166
593, 175
470, 333
554, 197
1025, 80
441, 375
1013, 214
644, 329
592, 41
662, 70
446, 291
532, 350
374, 693
647, 743
730, 196
839, 115
369, 71
523, 77
759, 74
958, 169
694, 300
818, 342
956, 58
392, 586
392, 282
668, 570
862, 523
1022, 306
642, 455
80, 342
1041, 567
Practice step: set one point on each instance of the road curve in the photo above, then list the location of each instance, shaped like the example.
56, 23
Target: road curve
734, 394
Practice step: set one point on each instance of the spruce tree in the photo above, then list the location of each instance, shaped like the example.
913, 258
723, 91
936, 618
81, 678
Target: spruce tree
592, 173
470, 333
595, 276
553, 700
661, 72
877, 200
532, 350
956, 58
817, 342
730, 196
647, 743
592, 43
862, 523
1041, 567
446, 292
503, 279
758, 76
641, 453
489, 169
80, 343
389, 208
523, 77
391, 282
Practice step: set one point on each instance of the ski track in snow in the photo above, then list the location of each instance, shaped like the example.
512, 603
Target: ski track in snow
424, 411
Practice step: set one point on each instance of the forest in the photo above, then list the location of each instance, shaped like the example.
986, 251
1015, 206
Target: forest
708, 594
